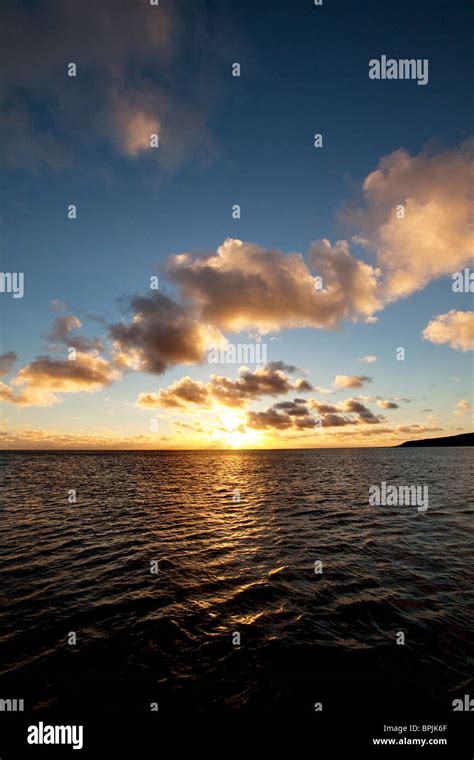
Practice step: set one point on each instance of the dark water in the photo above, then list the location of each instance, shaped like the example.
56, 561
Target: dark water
226, 567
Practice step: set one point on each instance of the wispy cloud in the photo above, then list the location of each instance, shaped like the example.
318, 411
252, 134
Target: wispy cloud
131, 71
7, 360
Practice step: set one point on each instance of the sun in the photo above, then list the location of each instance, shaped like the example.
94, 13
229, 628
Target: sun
234, 432
231, 419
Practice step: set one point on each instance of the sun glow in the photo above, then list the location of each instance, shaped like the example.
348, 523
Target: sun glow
233, 431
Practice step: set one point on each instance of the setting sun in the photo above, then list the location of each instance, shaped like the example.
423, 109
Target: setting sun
234, 432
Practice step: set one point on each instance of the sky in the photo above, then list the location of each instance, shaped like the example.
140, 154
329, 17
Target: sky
185, 265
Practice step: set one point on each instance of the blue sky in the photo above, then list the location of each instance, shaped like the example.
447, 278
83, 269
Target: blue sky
304, 70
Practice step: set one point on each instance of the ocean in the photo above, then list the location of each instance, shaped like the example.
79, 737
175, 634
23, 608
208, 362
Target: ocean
236, 582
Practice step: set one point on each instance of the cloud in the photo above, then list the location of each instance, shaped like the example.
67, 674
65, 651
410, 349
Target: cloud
161, 334
303, 385
297, 415
417, 429
87, 372
134, 128
7, 360
462, 407
27, 397
132, 80
179, 395
455, 329
348, 406
353, 406
434, 238
435, 235
57, 305
196, 427
264, 381
385, 404
282, 366
37, 383
274, 418
270, 380
351, 381
61, 333
245, 286
137, 114
351, 286
296, 408
323, 407
63, 326
105, 438
336, 420
324, 391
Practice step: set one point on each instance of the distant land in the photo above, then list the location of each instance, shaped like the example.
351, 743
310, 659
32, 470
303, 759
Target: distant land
464, 439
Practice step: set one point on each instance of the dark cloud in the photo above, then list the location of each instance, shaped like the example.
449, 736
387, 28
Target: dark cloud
275, 420
161, 334
292, 408
323, 407
386, 404
290, 368
297, 414
336, 420
61, 333
7, 360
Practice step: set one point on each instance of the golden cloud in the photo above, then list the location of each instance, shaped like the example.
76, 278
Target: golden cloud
417, 217
351, 381
244, 286
455, 329
264, 381
37, 383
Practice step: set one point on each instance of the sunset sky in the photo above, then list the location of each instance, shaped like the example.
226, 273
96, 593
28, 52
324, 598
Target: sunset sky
382, 213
